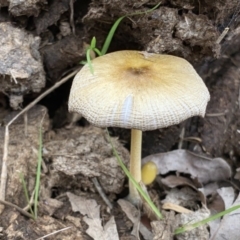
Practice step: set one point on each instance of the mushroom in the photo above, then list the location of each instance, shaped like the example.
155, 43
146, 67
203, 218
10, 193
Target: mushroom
139, 91
149, 172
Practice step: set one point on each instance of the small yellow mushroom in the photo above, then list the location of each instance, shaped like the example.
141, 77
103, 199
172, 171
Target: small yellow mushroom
149, 172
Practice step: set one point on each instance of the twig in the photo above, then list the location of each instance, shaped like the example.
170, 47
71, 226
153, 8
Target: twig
13, 77
23, 212
100, 191
217, 114
193, 139
6, 136
175, 207
239, 98
30, 202
181, 137
223, 34
50, 234
25, 124
4, 165
72, 16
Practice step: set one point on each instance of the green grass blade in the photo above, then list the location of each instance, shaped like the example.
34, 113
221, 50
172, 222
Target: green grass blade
89, 60
93, 43
38, 175
26, 193
115, 26
97, 51
110, 36
83, 62
128, 174
147, 11
205, 221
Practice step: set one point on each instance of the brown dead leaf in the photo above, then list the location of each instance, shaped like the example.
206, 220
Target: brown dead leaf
173, 181
215, 204
228, 196
134, 216
203, 168
176, 181
91, 209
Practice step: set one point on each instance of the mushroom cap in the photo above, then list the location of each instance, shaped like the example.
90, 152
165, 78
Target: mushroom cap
138, 90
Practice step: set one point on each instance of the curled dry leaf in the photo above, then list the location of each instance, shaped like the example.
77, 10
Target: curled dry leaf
91, 209
173, 181
215, 201
203, 168
228, 195
228, 227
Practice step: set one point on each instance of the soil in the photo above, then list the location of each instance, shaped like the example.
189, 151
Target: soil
42, 42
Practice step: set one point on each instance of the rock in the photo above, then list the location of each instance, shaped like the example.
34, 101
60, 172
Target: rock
84, 153
21, 68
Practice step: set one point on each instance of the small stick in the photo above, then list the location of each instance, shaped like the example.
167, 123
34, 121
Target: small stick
194, 139
181, 137
239, 97
50, 234
23, 212
13, 77
102, 194
223, 34
25, 124
216, 114
72, 16
175, 207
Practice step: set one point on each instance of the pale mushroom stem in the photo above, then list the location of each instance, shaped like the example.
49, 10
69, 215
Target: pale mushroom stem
135, 164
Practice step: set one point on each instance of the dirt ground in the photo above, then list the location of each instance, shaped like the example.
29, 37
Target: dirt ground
43, 42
